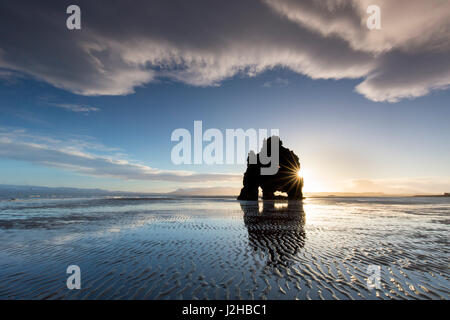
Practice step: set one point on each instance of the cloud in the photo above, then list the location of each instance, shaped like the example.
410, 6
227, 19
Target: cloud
10, 77
73, 155
425, 72
202, 43
278, 82
400, 186
6, 74
75, 107
405, 24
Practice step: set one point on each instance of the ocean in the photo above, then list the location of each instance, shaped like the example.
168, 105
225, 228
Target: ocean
169, 247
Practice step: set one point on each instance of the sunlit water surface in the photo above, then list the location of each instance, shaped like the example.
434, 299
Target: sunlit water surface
219, 248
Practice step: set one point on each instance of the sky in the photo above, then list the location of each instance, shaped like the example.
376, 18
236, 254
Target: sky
365, 110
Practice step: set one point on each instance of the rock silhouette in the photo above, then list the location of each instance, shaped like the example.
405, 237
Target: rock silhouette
285, 180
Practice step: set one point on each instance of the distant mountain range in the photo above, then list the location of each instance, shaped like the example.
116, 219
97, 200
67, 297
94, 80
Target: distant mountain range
8, 187
21, 191
213, 191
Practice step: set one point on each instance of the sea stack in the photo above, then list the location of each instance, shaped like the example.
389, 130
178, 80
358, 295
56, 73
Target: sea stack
285, 180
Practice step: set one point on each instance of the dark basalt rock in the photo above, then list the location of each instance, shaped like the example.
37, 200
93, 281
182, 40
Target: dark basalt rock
285, 180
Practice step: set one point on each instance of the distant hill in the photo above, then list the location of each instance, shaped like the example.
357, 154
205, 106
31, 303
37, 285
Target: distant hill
446, 194
213, 191
7, 187
348, 194
23, 192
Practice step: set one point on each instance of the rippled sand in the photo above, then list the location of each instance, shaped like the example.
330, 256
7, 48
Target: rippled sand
179, 248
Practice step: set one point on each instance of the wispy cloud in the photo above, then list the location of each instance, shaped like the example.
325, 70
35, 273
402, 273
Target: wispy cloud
400, 185
407, 58
278, 82
80, 156
74, 107
10, 76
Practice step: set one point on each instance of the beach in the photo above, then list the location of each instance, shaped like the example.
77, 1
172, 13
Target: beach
168, 247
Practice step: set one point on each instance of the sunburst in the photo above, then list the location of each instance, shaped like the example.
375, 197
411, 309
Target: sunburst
293, 179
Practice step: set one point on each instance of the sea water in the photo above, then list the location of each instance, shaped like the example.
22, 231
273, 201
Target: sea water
163, 247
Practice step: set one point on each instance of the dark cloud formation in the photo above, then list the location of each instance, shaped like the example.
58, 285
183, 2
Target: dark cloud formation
126, 44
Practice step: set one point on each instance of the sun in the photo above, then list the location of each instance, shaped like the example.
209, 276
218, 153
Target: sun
312, 182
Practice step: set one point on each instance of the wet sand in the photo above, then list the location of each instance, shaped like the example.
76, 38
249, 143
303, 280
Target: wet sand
220, 248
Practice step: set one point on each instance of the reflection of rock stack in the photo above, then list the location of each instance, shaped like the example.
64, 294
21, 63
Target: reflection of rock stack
277, 228
285, 180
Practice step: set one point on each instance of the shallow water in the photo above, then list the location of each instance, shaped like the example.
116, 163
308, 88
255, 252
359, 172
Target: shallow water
220, 248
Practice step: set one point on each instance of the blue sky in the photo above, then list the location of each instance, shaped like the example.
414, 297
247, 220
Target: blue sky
96, 107
339, 135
